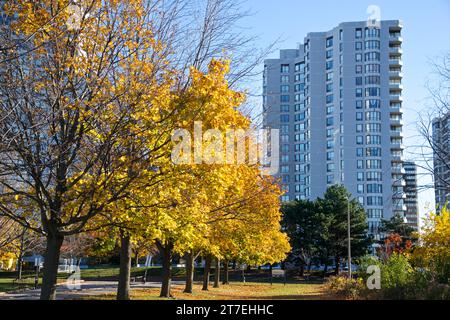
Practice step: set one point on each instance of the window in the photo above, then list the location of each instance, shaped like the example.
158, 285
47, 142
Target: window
285, 179
359, 128
329, 65
284, 108
373, 164
358, 45
285, 138
284, 98
358, 33
360, 176
372, 44
329, 54
359, 69
359, 104
358, 57
330, 179
372, 33
372, 80
375, 213
373, 116
284, 88
284, 68
360, 188
284, 118
330, 167
374, 176
374, 188
330, 156
329, 99
329, 87
330, 144
299, 67
372, 68
359, 116
372, 92
341, 34
373, 127
373, 140
372, 56
330, 110
359, 92
329, 76
284, 79
359, 140
330, 121
285, 128
360, 164
374, 201
284, 169
359, 152
329, 42
373, 104
373, 152
284, 158
285, 148
358, 81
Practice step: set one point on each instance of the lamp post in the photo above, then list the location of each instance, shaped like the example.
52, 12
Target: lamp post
348, 239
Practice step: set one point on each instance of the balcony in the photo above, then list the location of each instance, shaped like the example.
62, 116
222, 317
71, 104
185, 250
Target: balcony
396, 158
396, 122
399, 207
395, 39
397, 146
395, 86
396, 134
396, 97
398, 183
396, 50
399, 195
396, 62
395, 74
397, 109
397, 170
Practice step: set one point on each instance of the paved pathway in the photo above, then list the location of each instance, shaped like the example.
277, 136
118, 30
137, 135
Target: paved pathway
70, 291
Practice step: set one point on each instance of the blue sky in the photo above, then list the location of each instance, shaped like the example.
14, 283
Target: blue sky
426, 37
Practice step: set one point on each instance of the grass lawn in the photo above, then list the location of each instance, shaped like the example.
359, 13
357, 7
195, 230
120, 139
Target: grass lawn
236, 291
7, 284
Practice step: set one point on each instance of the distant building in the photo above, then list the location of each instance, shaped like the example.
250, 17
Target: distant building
410, 189
337, 101
441, 157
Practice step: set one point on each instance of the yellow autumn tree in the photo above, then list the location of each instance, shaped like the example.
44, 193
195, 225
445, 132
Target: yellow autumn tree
433, 250
85, 90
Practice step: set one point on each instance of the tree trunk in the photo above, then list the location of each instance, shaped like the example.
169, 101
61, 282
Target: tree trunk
325, 270
206, 272
234, 265
136, 259
19, 266
189, 272
338, 265
249, 268
166, 252
302, 270
225, 273
123, 288
217, 274
51, 262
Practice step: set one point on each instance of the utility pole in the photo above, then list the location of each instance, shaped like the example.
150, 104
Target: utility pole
348, 239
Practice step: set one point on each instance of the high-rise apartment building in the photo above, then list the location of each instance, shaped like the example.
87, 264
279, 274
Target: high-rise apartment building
337, 100
410, 189
441, 157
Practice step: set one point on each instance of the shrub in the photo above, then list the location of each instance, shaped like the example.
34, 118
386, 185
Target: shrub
349, 288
